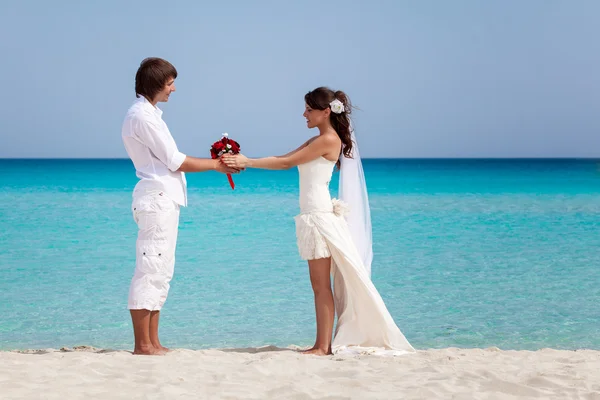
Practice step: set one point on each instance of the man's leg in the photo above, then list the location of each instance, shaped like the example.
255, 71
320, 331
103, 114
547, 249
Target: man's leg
158, 219
139, 302
141, 333
154, 318
171, 228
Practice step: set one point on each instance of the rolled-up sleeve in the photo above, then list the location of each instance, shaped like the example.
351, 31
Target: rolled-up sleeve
160, 143
176, 160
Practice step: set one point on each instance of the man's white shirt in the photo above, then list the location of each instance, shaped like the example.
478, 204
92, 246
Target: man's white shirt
154, 152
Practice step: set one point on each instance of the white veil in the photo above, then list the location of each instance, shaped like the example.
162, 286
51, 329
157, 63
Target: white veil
353, 191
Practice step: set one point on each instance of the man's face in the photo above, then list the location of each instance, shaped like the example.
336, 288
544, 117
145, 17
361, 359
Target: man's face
163, 95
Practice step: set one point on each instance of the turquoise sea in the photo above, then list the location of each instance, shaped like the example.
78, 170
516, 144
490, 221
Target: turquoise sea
468, 253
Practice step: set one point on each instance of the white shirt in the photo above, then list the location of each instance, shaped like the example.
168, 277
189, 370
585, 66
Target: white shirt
153, 151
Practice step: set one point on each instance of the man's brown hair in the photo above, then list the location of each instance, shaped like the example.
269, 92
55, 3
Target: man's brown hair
152, 76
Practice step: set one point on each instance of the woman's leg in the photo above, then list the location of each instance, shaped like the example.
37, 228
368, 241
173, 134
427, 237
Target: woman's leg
320, 280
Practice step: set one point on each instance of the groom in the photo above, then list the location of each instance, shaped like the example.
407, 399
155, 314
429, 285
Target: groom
157, 197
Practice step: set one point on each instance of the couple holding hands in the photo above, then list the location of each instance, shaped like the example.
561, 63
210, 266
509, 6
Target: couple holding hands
333, 235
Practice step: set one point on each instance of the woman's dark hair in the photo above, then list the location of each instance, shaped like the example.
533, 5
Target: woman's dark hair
152, 76
320, 99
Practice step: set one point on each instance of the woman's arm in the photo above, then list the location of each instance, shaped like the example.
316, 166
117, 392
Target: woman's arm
311, 150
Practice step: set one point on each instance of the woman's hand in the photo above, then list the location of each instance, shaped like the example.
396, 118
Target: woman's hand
238, 161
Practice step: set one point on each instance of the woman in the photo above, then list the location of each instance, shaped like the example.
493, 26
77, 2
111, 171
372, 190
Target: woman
324, 239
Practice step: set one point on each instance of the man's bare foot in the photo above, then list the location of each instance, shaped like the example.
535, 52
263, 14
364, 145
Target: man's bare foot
161, 347
147, 351
317, 352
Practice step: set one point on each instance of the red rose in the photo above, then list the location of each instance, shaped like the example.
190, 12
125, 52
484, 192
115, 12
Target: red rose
235, 146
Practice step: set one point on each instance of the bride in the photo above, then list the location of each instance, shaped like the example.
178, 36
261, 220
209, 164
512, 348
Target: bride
332, 244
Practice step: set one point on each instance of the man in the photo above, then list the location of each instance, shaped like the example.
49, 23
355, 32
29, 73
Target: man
160, 192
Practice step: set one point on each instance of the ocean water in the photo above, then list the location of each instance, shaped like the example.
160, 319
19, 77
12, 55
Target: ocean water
468, 253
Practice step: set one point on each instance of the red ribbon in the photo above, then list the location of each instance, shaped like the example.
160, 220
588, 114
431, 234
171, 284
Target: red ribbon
231, 181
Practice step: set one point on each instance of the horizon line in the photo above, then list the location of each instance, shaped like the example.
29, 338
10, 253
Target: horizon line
363, 158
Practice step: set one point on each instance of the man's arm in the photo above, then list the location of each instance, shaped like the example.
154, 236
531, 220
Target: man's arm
167, 152
193, 164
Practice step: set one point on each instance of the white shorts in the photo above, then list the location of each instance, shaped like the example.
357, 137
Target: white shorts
157, 217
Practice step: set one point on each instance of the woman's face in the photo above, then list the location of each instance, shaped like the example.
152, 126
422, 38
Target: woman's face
315, 117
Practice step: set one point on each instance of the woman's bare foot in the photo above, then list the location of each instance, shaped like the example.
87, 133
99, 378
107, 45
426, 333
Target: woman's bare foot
147, 351
317, 352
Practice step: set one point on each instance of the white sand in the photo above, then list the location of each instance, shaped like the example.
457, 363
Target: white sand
272, 373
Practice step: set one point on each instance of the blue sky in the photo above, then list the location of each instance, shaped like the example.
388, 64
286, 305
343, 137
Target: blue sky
431, 78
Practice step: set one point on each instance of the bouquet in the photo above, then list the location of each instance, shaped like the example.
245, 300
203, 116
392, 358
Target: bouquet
225, 145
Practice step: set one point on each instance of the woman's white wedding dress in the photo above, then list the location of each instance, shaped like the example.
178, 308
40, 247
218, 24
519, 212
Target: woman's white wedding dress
364, 325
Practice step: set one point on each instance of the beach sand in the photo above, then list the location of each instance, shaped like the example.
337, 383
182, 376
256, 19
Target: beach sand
277, 373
